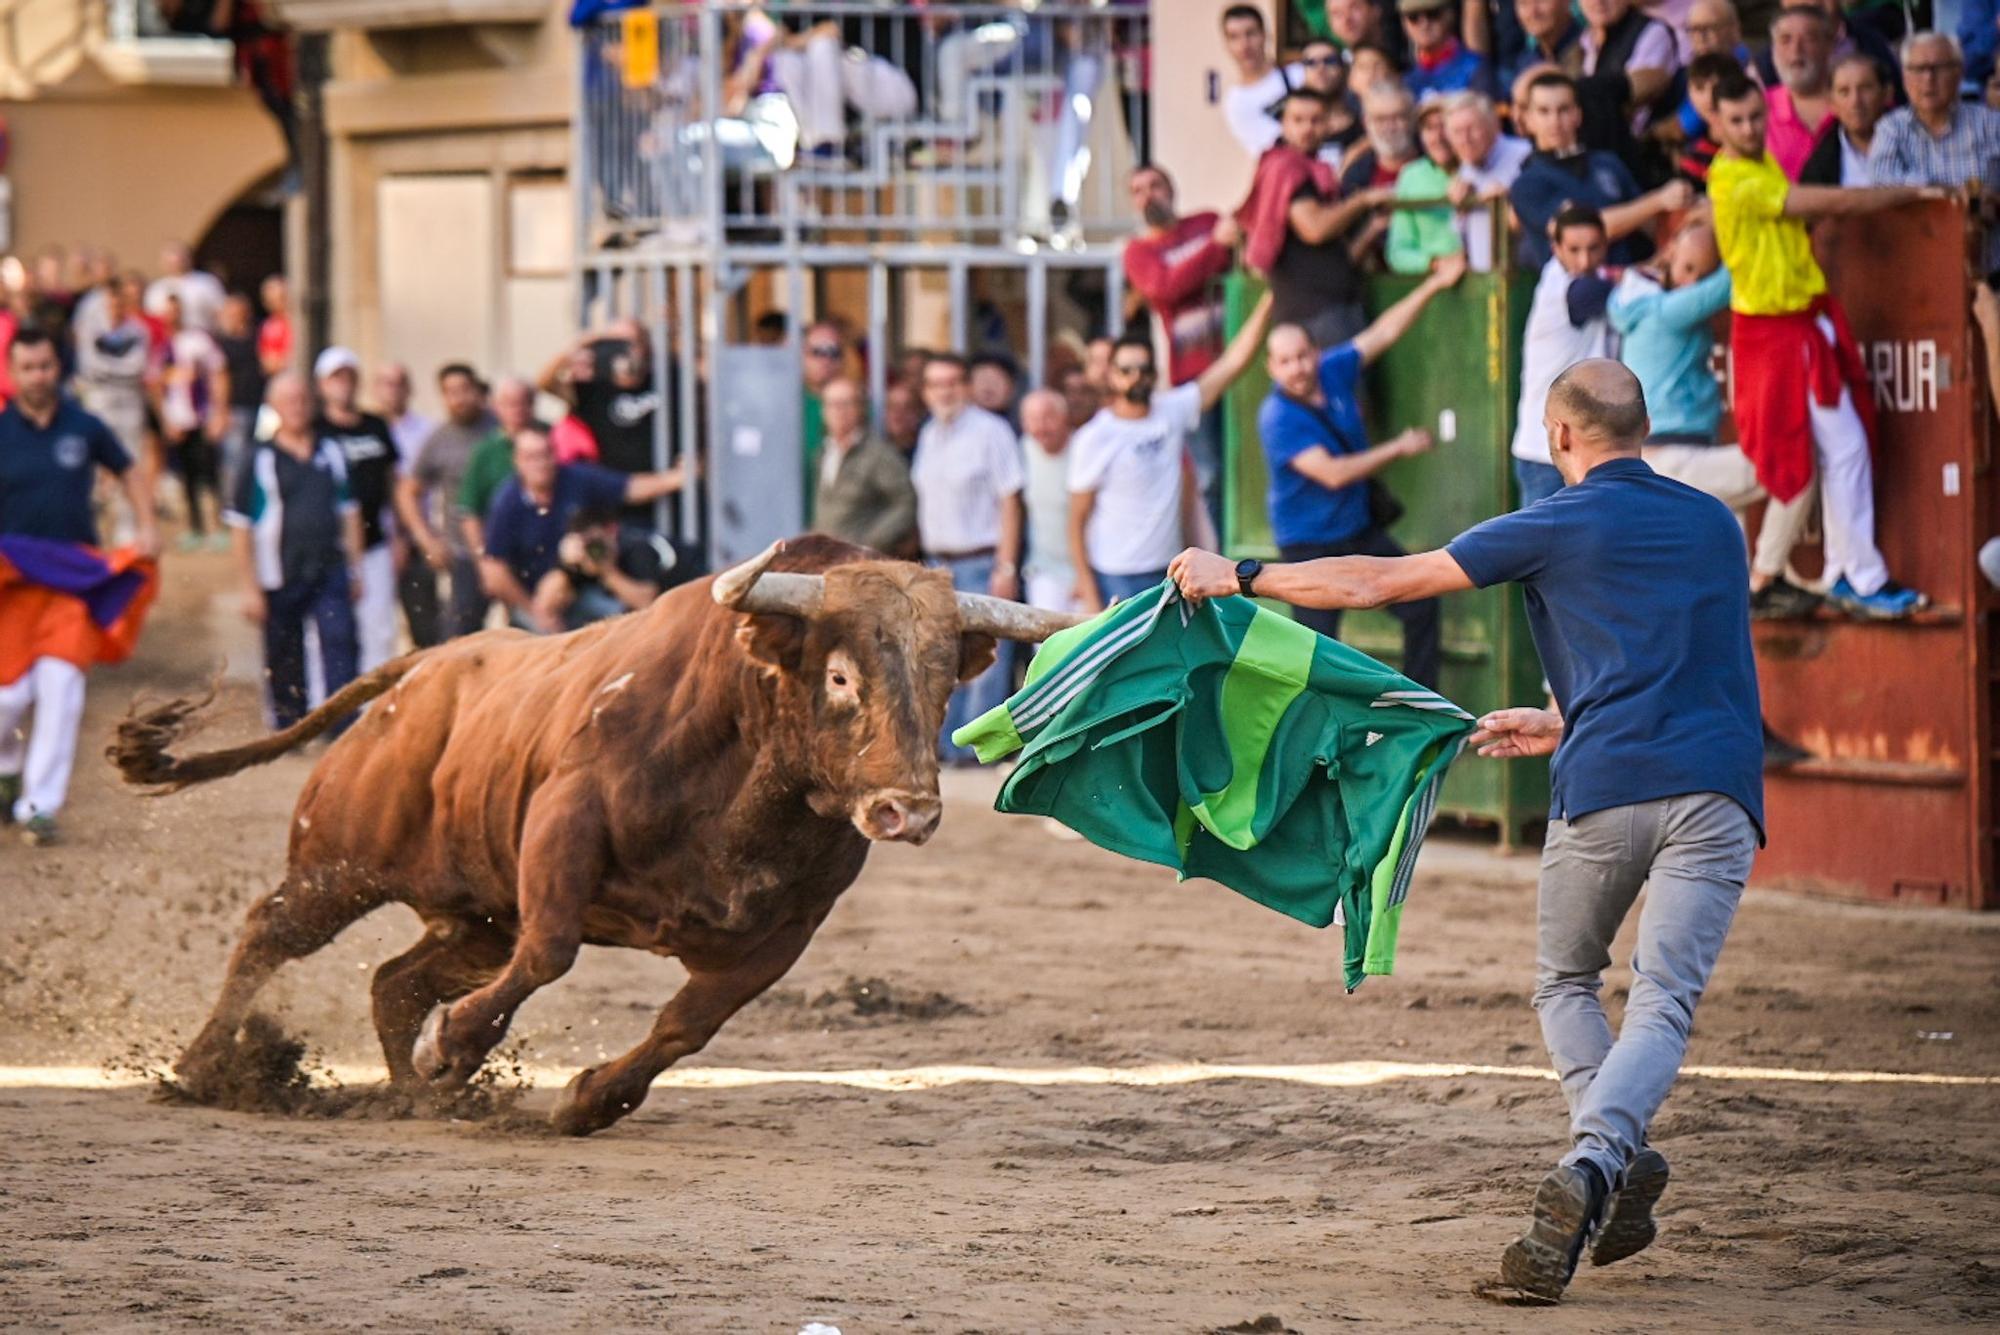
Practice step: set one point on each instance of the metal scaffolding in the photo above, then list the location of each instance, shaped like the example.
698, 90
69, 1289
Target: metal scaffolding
993, 167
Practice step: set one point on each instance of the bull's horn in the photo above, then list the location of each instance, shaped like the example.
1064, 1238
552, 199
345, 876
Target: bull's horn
748, 588
1011, 621
794, 595
733, 583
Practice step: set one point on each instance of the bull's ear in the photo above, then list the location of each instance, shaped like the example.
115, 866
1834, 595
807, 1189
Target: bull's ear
776, 641
975, 654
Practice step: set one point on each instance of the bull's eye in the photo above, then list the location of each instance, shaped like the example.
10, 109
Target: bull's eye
840, 679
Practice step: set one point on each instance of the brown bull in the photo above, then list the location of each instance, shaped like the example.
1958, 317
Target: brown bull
700, 779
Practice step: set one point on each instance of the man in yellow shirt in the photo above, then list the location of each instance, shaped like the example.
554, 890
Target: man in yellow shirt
1802, 394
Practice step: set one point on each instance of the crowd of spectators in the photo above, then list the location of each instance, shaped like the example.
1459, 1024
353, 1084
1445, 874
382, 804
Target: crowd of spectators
1654, 170
358, 524
1619, 153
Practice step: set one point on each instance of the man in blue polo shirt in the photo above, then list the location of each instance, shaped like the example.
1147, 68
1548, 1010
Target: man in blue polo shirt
50, 451
525, 527
1637, 593
1322, 466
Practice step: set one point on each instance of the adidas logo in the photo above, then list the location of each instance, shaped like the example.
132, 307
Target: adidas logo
1373, 738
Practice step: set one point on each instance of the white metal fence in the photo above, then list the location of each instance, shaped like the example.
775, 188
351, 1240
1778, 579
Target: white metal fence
850, 121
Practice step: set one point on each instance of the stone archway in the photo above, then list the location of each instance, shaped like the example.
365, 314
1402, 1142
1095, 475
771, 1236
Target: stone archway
245, 241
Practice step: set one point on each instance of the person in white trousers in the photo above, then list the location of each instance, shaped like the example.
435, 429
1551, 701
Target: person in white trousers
1791, 350
50, 451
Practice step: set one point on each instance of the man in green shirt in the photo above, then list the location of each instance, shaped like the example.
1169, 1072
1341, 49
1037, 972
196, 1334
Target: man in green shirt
492, 461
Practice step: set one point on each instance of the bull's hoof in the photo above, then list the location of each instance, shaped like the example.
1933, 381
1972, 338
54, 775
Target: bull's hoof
575, 1115
198, 1078
435, 1066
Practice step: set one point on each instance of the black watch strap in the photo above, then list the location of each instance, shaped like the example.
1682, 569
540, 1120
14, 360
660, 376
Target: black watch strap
1246, 575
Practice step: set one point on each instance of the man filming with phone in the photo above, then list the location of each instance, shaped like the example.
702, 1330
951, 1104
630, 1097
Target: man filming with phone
1325, 498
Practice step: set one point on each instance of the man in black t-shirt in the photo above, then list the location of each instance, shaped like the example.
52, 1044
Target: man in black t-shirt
607, 376
236, 335
1316, 281
365, 443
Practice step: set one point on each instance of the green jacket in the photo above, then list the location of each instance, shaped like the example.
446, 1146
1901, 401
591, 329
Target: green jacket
488, 470
1418, 236
869, 498
1230, 742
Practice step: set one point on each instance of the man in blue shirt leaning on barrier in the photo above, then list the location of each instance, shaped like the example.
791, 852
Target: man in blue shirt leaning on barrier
1323, 486
1638, 597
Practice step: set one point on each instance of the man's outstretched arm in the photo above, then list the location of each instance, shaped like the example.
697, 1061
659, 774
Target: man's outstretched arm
1395, 322
1333, 581
1235, 358
1829, 201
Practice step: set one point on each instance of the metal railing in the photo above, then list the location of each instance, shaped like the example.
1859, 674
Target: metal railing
850, 121
130, 20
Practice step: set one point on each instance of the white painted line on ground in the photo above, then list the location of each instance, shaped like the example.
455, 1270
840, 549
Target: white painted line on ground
1332, 1075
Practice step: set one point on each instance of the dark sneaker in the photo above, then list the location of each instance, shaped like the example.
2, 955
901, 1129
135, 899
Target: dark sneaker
1568, 1205
1628, 1222
1782, 600
39, 831
10, 793
1891, 602
1779, 753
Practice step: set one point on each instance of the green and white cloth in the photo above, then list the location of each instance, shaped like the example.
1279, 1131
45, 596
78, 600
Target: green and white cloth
1230, 742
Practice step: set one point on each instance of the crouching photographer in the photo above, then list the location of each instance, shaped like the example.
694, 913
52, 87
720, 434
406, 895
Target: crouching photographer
602, 572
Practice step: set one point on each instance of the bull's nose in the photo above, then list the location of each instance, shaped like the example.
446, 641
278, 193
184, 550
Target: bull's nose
906, 817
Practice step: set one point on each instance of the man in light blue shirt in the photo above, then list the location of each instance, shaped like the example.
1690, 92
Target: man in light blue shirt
1665, 321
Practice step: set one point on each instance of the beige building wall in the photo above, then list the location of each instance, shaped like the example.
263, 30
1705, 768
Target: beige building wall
1190, 138
134, 169
451, 226
117, 144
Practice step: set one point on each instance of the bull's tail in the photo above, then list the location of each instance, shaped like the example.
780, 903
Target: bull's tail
141, 754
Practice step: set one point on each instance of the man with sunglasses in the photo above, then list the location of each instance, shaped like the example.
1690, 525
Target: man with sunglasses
1133, 495
1326, 74
825, 359
1439, 62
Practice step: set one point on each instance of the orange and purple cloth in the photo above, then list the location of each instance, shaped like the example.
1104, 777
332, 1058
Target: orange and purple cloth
70, 601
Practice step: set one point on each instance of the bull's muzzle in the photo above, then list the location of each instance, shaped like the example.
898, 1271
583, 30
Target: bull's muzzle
897, 815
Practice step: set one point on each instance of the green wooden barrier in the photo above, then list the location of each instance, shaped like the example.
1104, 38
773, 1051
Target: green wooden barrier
1456, 373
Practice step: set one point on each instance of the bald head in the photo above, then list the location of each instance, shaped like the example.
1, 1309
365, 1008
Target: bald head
841, 408
290, 398
513, 402
1291, 359
1713, 28
1045, 419
1599, 406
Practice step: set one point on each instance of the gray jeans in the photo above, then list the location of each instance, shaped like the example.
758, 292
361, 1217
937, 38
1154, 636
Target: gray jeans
1692, 854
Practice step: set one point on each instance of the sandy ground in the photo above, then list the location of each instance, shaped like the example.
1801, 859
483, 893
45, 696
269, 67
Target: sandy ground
1797, 1204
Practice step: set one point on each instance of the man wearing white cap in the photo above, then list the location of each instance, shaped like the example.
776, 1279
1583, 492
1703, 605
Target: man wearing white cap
369, 449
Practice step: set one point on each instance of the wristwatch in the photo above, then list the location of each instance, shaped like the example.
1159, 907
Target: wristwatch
1246, 574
